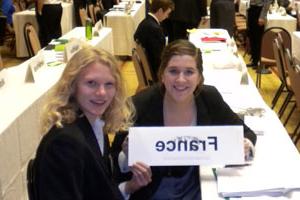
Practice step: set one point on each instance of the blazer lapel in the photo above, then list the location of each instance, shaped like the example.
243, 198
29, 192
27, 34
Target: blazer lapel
90, 137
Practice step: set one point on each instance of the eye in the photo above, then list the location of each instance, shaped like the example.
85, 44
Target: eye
189, 72
92, 83
110, 85
173, 71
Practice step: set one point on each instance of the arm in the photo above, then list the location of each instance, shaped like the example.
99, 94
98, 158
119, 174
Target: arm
61, 169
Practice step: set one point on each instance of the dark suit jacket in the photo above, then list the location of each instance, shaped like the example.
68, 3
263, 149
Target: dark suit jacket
189, 11
211, 110
150, 34
69, 165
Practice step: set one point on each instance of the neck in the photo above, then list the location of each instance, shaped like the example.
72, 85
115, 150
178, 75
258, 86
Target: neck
179, 113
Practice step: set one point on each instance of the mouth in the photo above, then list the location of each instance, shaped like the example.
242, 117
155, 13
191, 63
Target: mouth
98, 102
180, 88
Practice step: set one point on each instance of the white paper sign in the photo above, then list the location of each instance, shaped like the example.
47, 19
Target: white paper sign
71, 48
34, 68
198, 145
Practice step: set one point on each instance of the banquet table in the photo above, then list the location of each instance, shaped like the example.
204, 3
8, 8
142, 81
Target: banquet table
276, 157
273, 20
285, 21
243, 6
123, 27
20, 105
296, 45
21, 18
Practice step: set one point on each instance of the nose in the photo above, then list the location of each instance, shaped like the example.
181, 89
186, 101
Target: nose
180, 77
101, 90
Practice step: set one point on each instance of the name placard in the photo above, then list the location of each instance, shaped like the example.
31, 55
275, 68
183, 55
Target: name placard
34, 67
71, 48
182, 146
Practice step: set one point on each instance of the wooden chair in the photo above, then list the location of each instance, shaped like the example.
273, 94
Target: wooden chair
83, 16
142, 81
294, 73
144, 60
267, 59
31, 39
32, 194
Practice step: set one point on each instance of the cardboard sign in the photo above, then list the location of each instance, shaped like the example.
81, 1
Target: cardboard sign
34, 68
186, 146
71, 48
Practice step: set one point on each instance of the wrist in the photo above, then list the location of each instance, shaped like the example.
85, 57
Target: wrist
130, 187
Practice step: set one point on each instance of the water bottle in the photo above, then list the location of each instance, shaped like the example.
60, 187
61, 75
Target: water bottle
88, 29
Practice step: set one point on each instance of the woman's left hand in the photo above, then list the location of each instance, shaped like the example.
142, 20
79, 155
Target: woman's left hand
248, 149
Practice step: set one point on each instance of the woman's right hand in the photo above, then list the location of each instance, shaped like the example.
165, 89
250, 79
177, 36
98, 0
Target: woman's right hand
142, 176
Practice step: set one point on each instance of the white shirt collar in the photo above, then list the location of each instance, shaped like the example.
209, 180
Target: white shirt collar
151, 14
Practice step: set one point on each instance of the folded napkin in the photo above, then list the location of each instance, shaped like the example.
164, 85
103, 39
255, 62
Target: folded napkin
213, 39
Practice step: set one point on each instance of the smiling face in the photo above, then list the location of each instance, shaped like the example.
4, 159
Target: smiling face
95, 89
180, 78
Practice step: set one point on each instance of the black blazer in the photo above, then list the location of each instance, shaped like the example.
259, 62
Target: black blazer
69, 165
150, 34
211, 110
189, 11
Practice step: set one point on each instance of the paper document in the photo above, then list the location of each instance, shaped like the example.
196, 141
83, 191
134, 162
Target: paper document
249, 182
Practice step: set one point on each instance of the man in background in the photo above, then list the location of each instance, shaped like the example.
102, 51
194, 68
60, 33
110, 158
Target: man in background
150, 34
256, 20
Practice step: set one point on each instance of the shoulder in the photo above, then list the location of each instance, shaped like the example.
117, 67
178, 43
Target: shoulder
209, 92
59, 139
148, 96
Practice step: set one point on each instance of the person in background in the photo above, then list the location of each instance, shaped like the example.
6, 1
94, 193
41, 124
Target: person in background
179, 99
48, 15
256, 20
222, 15
149, 33
187, 15
88, 102
7, 8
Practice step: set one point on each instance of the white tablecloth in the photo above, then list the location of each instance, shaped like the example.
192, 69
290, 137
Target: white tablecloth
276, 20
296, 45
243, 6
21, 18
275, 152
123, 27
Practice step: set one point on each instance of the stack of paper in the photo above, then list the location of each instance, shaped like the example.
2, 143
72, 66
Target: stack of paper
248, 182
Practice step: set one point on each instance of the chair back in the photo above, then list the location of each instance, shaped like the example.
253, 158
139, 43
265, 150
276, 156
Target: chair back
267, 56
144, 60
142, 81
32, 194
31, 39
294, 74
278, 54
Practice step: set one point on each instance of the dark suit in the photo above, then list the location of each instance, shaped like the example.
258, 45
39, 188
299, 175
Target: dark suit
222, 15
69, 165
187, 15
150, 34
211, 110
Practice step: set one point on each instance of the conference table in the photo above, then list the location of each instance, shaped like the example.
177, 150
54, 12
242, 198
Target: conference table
277, 160
124, 25
22, 17
274, 19
296, 45
20, 105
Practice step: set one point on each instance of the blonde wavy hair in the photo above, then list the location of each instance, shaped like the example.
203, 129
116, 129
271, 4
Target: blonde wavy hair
62, 108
